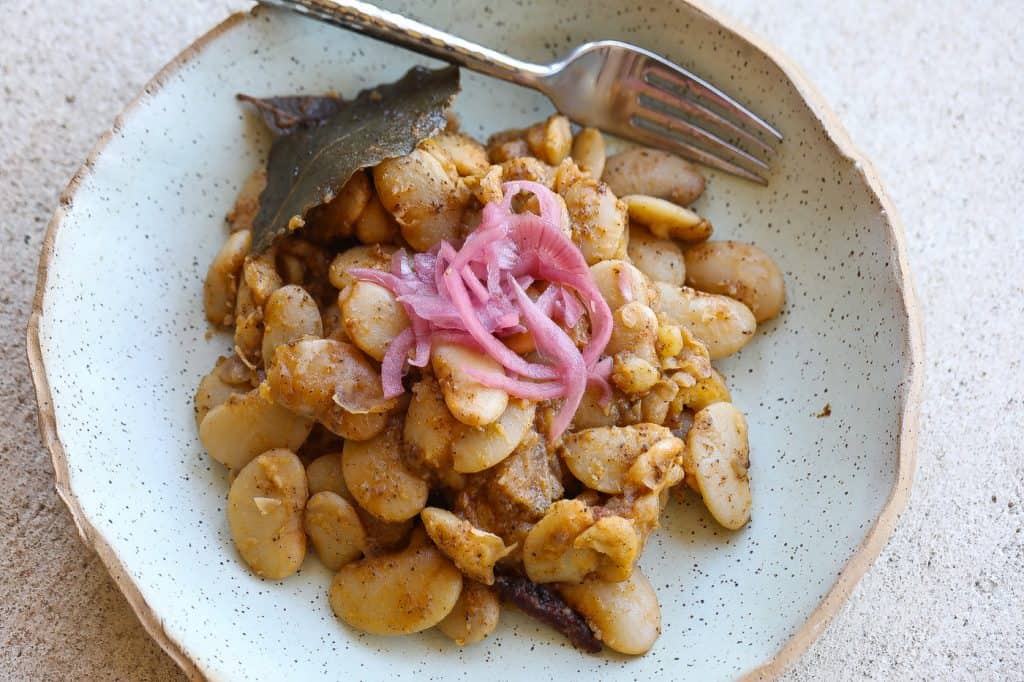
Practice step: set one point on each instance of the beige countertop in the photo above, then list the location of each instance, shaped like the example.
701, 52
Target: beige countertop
933, 93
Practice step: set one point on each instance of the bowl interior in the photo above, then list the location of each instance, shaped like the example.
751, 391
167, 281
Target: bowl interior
124, 342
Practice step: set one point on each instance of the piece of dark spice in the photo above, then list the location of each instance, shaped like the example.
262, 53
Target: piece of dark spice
285, 115
825, 411
544, 604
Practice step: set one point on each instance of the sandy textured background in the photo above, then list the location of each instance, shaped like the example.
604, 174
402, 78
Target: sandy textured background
933, 92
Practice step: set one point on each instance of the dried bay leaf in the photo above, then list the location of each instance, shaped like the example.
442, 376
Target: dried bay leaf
314, 158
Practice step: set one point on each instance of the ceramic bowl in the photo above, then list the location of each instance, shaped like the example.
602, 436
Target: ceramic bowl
118, 342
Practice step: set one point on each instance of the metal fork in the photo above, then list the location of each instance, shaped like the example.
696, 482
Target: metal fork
616, 87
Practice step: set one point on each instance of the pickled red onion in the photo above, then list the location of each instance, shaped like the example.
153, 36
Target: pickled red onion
476, 295
555, 345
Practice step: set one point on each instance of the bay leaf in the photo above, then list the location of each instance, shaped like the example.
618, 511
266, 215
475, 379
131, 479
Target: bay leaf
307, 166
285, 115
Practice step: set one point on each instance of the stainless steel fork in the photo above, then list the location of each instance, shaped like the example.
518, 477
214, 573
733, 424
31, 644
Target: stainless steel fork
616, 87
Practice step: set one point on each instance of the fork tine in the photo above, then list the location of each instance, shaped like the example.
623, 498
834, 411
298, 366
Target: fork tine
696, 110
712, 141
647, 134
685, 80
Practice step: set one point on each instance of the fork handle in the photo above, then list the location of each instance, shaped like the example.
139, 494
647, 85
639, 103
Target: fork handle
398, 30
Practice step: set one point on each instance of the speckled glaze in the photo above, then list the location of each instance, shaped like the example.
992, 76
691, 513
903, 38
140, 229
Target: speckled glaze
118, 342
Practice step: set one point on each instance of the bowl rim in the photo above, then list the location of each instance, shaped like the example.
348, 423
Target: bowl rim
912, 384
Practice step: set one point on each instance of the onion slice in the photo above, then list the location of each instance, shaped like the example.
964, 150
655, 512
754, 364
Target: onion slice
553, 343
476, 296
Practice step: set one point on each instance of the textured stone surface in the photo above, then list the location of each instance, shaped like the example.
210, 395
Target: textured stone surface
931, 92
